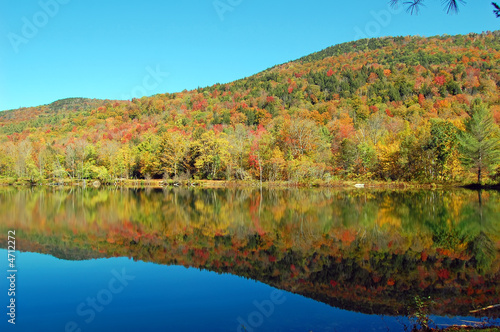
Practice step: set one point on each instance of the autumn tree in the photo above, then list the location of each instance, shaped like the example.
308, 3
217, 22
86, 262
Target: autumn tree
124, 161
443, 144
70, 158
107, 157
239, 148
76, 153
173, 148
147, 156
302, 137
23, 161
212, 154
7, 158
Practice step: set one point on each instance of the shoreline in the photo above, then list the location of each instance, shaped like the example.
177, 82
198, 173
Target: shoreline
156, 183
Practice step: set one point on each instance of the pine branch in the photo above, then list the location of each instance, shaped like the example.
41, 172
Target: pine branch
413, 7
496, 11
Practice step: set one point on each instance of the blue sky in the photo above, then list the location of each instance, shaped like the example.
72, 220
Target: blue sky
54, 49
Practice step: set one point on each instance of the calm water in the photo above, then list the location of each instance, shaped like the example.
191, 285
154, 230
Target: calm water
271, 260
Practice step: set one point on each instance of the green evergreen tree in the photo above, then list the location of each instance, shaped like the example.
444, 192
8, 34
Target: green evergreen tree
480, 143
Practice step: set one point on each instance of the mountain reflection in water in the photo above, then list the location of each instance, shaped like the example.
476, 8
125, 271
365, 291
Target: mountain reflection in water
370, 251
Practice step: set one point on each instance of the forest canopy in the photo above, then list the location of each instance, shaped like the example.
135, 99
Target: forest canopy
392, 108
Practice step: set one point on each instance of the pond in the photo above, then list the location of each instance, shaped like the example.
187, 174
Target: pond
194, 259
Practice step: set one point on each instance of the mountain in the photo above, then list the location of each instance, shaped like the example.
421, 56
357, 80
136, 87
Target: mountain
16, 121
390, 108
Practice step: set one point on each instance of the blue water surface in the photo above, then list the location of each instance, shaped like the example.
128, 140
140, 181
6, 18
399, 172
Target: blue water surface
54, 294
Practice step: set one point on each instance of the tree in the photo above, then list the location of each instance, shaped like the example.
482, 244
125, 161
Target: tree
173, 148
302, 137
81, 152
23, 158
443, 145
8, 152
148, 156
107, 157
451, 6
212, 154
480, 143
239, 146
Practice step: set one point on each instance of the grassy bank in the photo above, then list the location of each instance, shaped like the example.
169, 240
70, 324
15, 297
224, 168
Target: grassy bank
155, 183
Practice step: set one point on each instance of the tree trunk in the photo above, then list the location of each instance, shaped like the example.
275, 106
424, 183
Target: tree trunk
260, 169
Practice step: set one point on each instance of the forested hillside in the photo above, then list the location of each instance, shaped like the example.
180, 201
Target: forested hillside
400, 109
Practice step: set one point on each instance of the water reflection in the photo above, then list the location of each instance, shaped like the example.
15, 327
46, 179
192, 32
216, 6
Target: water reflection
371, 251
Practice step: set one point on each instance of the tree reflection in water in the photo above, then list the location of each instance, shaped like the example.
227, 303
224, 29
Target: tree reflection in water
371, 251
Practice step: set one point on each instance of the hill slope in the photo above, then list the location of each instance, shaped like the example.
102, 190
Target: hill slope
387, 108
16, 121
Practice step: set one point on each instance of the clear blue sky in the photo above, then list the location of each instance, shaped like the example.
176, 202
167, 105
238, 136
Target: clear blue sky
108, 49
